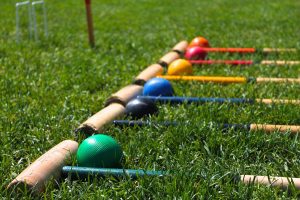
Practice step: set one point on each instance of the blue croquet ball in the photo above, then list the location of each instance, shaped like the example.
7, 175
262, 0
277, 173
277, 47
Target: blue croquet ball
158, 87
137, 108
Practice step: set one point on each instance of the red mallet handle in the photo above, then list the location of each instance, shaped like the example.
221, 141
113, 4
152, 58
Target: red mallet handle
225, 62
90, 22
230, 50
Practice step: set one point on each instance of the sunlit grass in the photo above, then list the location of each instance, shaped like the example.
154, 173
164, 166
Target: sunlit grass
48, 88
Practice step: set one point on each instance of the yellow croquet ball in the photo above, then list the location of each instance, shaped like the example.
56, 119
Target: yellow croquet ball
180, 67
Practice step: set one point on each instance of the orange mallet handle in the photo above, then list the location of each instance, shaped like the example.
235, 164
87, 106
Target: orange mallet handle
244, 62
281, 182
46, 167
90, 22
249, 50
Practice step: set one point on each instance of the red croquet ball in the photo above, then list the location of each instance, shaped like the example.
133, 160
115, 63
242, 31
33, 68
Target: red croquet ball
195, 53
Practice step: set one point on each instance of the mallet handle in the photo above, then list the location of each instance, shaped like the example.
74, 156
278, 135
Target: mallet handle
173, 55
112, 111
249, 50
128, 92
90, 22
207, 79
244, 62
180, 100
46, 167
277, 80
84, 172
272, 128
224, 62
275, 101
268, 128
104, 116
141, 123
150, 72
230, 50
280, 62
157, 69
282, 182
279, 50
224, 79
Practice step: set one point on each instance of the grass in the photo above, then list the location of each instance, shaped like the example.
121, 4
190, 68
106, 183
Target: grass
48, 88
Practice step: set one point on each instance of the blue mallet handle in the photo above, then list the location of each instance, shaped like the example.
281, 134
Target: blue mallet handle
180, 100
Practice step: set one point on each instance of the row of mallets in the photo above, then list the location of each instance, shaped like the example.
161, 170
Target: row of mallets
51, 165
181, 69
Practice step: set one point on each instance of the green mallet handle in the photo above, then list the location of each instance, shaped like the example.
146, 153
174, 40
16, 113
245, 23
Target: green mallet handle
45, 168
84, 172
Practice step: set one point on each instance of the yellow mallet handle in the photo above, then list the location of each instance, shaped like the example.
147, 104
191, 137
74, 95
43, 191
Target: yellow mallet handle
207, 79
224, 79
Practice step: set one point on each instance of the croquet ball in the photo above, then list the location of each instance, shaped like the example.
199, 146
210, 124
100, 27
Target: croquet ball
200, 42
158, 87
195, 53
180, 67
137, 108
99, 151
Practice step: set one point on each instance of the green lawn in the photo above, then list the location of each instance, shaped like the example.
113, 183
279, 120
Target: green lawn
48, 88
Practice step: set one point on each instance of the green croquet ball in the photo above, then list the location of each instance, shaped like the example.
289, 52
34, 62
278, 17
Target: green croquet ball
99, 151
